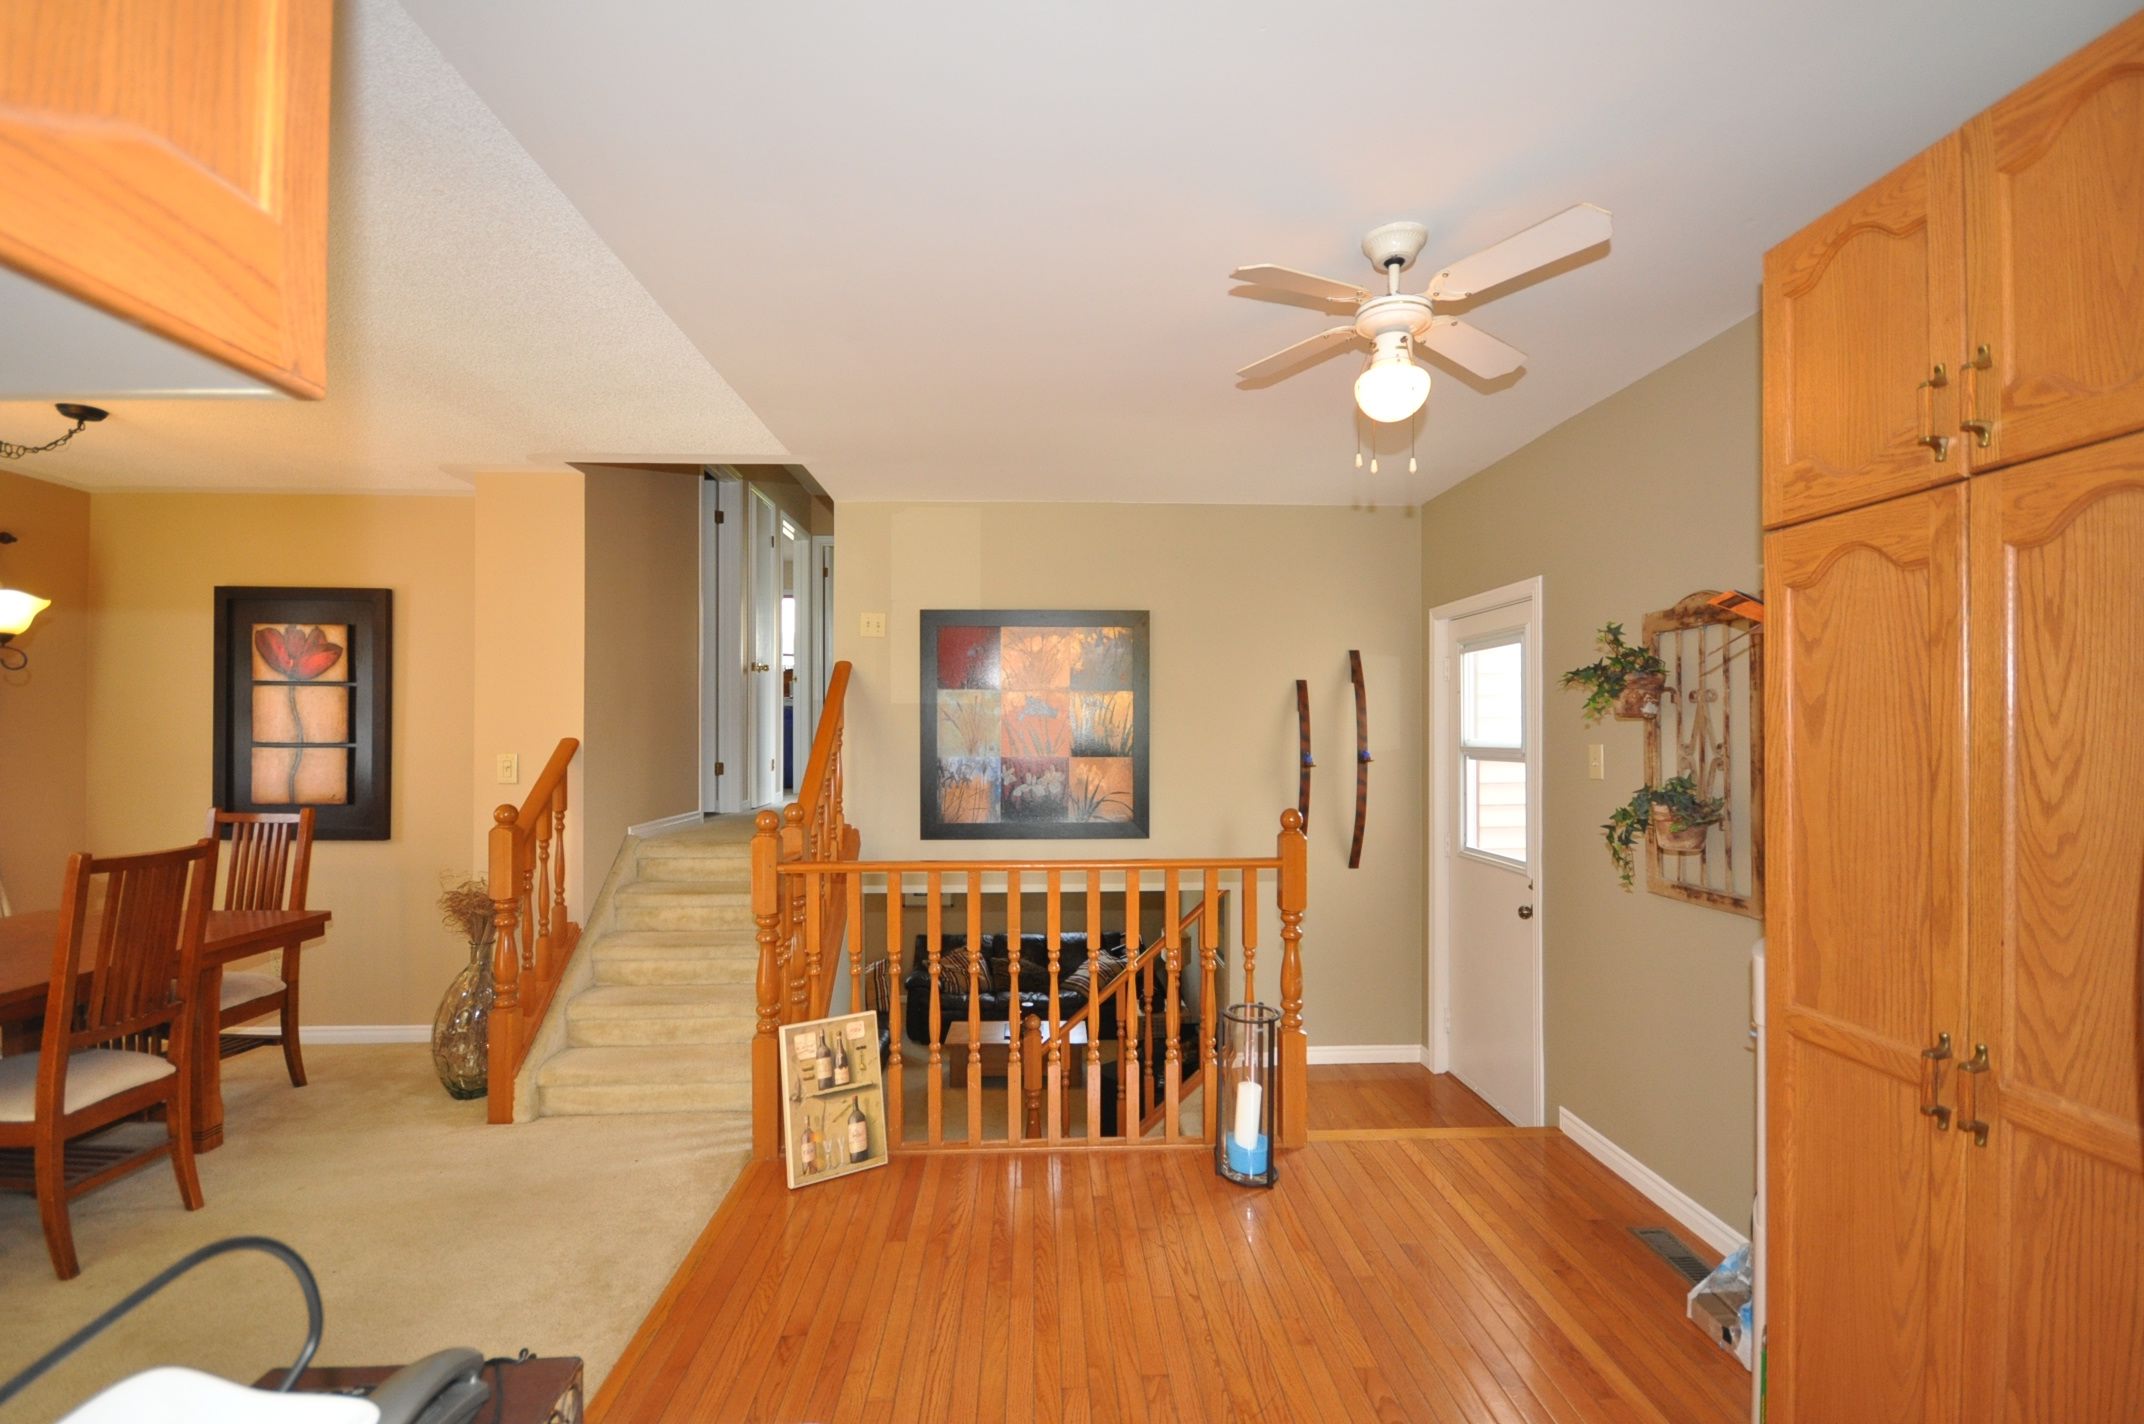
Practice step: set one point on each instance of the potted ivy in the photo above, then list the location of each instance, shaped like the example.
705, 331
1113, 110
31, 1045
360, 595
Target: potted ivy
1673, 813
1626, 680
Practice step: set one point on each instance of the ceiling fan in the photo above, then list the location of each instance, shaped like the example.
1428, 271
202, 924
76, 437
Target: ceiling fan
1393, 385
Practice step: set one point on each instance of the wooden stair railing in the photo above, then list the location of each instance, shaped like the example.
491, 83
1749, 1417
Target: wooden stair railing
536, 934
803, 902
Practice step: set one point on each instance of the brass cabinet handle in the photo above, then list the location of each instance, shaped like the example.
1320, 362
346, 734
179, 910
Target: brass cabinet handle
1931, 1082
1925, 394
1983, 360
1969, 1095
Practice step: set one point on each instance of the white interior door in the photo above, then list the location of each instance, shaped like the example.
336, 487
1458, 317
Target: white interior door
726, 783
763, 655
1489, 799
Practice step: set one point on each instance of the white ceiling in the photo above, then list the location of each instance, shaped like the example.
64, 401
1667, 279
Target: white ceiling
475, 322
979, 250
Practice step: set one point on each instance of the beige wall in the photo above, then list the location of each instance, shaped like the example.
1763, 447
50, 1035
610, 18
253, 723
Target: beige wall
44, 749
1651, 494
155, 561
1243, 602
642, 714
527, 645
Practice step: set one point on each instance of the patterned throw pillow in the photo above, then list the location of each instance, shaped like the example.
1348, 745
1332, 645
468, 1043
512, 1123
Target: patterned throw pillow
953, 972
1112, 961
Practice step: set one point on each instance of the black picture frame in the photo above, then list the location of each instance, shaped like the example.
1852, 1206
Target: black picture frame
1085, 776
368, 814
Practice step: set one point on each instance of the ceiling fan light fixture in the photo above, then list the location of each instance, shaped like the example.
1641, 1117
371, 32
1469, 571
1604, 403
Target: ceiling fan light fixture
1392, 387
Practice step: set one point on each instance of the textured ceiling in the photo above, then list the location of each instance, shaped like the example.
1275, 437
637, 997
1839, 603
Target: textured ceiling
475, 321
980, 250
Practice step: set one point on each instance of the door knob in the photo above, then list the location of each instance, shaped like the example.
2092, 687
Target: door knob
1526, 912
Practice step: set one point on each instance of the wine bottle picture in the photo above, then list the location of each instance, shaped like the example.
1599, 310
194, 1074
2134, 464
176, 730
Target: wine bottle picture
824, 1063
843, 1073
859, 1133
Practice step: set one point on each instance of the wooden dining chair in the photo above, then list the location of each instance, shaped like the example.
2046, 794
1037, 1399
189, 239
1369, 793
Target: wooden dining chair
270, 859
118, 1035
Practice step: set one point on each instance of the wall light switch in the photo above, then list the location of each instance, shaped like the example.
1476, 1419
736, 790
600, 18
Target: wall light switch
1596, 761
509, 768
874, 625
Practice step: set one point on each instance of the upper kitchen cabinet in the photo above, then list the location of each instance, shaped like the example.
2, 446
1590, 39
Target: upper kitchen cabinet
2054, 190
167, 161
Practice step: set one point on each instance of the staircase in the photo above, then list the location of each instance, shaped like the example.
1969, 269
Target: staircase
665, 1018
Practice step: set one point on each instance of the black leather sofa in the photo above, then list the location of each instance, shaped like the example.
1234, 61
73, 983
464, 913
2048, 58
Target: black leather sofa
996, 1001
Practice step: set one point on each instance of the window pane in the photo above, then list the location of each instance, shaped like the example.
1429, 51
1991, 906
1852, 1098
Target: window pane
1493, 817
1492, 703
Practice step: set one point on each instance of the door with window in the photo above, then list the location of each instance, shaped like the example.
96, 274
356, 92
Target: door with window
1489, 803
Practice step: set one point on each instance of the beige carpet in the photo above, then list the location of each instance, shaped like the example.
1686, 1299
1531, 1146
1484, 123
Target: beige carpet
425, 1227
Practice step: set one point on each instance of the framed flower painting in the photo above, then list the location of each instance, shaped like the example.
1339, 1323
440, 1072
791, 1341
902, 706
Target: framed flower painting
303, 683
1034, 725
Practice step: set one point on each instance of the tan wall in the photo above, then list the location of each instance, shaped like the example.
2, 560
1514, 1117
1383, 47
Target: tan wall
527, 644
155, 560
1653, 494
44, 748
642, 716
1243, 601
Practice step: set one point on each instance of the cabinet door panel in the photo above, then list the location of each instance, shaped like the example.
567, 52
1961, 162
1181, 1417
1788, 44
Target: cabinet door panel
1858, 308
2055, 1201
1864, 781
2055, 242
167, 160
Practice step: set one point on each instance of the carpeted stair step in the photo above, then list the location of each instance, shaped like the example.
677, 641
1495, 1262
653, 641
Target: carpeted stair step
709, 867
626, 1015
668, 1078
681, 905
675, 957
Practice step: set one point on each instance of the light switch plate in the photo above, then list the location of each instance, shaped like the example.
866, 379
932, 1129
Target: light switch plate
874, 625
509, 768
1596, 761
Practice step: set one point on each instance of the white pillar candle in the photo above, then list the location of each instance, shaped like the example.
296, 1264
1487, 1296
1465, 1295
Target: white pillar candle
1249, 1095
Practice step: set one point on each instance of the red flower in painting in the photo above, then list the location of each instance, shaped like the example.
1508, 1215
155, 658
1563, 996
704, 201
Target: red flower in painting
294, 652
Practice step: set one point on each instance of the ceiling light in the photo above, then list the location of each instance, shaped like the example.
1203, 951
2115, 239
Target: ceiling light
81, 415
18, 610
1392, 387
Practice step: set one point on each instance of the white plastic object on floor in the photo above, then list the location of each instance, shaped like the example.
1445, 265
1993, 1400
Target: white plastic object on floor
171, 1395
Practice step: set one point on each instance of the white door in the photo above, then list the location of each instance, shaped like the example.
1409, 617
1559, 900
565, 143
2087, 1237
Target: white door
1488, 761
763, 655
726, 784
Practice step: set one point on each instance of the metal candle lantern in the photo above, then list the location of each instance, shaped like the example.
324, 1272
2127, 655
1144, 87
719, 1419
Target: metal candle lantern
1250, 1071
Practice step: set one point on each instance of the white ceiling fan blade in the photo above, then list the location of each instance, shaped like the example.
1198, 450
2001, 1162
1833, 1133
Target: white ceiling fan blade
1473, 348
1299, 353
1572, 230
1287, 279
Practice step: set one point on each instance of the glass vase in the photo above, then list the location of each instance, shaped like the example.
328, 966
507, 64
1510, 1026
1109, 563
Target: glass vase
461, 1033
1250, 1072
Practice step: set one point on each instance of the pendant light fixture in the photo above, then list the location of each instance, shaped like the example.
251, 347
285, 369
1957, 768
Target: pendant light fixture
18, 610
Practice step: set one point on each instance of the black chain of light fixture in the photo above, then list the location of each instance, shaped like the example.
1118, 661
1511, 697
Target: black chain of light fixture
81, 415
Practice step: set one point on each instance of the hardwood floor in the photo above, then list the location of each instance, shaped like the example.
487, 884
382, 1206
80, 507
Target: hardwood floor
1440, 1267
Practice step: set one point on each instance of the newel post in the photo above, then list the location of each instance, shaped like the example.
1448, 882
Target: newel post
1294, 1044
767, 910
503, 1045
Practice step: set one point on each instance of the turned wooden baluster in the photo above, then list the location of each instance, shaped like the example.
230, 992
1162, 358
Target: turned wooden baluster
503, 1048
803, 968
558, 858
1130, 1109
1209, 1006
896, 1011
814, 946
1015, 1076
1090, 1053
975, 1006
1294, 1044
541, 902
1053, 1084
1172, 1078
766, 1048
854, 886
934, 932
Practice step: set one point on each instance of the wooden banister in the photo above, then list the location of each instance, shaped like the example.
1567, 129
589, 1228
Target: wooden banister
536, 935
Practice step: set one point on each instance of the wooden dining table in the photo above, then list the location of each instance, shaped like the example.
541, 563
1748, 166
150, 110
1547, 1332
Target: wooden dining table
27, 944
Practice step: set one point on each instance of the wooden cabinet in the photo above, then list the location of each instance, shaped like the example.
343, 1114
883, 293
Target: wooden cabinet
1866, 952
1955, 778
1859, 309
2054, 204
2054, 1208
169, 162
1981, 305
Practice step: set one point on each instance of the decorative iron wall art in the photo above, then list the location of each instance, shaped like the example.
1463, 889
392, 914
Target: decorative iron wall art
1710, 728
303, 701
1362, 756
1034, 725
1304, 763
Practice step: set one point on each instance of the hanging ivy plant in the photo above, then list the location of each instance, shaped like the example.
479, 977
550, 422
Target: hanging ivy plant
1623, 668
1671, 811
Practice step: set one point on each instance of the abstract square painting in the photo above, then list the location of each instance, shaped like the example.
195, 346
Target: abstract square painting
1034, 725
302, 705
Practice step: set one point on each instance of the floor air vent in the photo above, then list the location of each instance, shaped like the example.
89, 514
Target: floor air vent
1672, 1249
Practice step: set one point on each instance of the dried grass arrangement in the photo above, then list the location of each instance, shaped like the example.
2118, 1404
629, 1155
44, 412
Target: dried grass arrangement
466, 909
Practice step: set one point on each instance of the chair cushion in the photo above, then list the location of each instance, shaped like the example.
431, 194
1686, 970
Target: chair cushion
244, 987
93, 1075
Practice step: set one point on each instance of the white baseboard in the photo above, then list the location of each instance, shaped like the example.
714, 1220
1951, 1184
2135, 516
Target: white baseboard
681, 821
352, 1033
1655, 1188
1368, 1053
